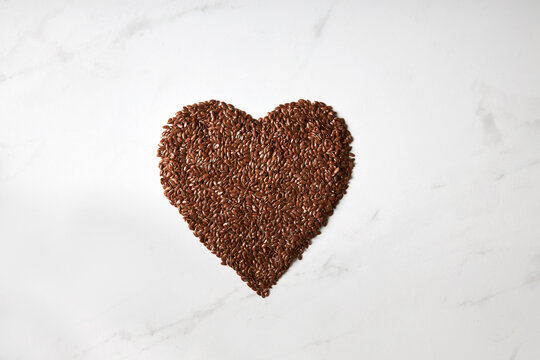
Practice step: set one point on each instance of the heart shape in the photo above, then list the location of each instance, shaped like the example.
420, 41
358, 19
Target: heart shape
255, 192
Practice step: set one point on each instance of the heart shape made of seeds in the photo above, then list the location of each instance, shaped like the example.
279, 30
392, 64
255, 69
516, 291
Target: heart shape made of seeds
255, 192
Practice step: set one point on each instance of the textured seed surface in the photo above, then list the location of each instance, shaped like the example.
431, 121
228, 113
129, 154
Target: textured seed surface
255, 192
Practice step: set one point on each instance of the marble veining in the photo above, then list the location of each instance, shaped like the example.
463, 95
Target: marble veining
434, 253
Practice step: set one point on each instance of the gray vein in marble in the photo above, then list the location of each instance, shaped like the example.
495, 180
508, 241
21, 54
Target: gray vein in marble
248, 296
517, 169
317, 32
467, 258
185, 325
139, 26
484, 251
375, 216
515, 353
328, 340
319, 27
36, 33
491, 131
34, 148
192, 321
330, 269
508, 106
529, 281
104, 312
100, 343
132, 29
528, 165
315, 343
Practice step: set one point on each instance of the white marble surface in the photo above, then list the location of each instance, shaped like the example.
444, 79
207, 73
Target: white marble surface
433, 254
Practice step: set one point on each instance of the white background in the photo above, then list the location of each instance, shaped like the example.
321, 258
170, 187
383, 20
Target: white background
433, 254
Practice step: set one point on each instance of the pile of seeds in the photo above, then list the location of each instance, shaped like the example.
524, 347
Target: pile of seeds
255, 192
